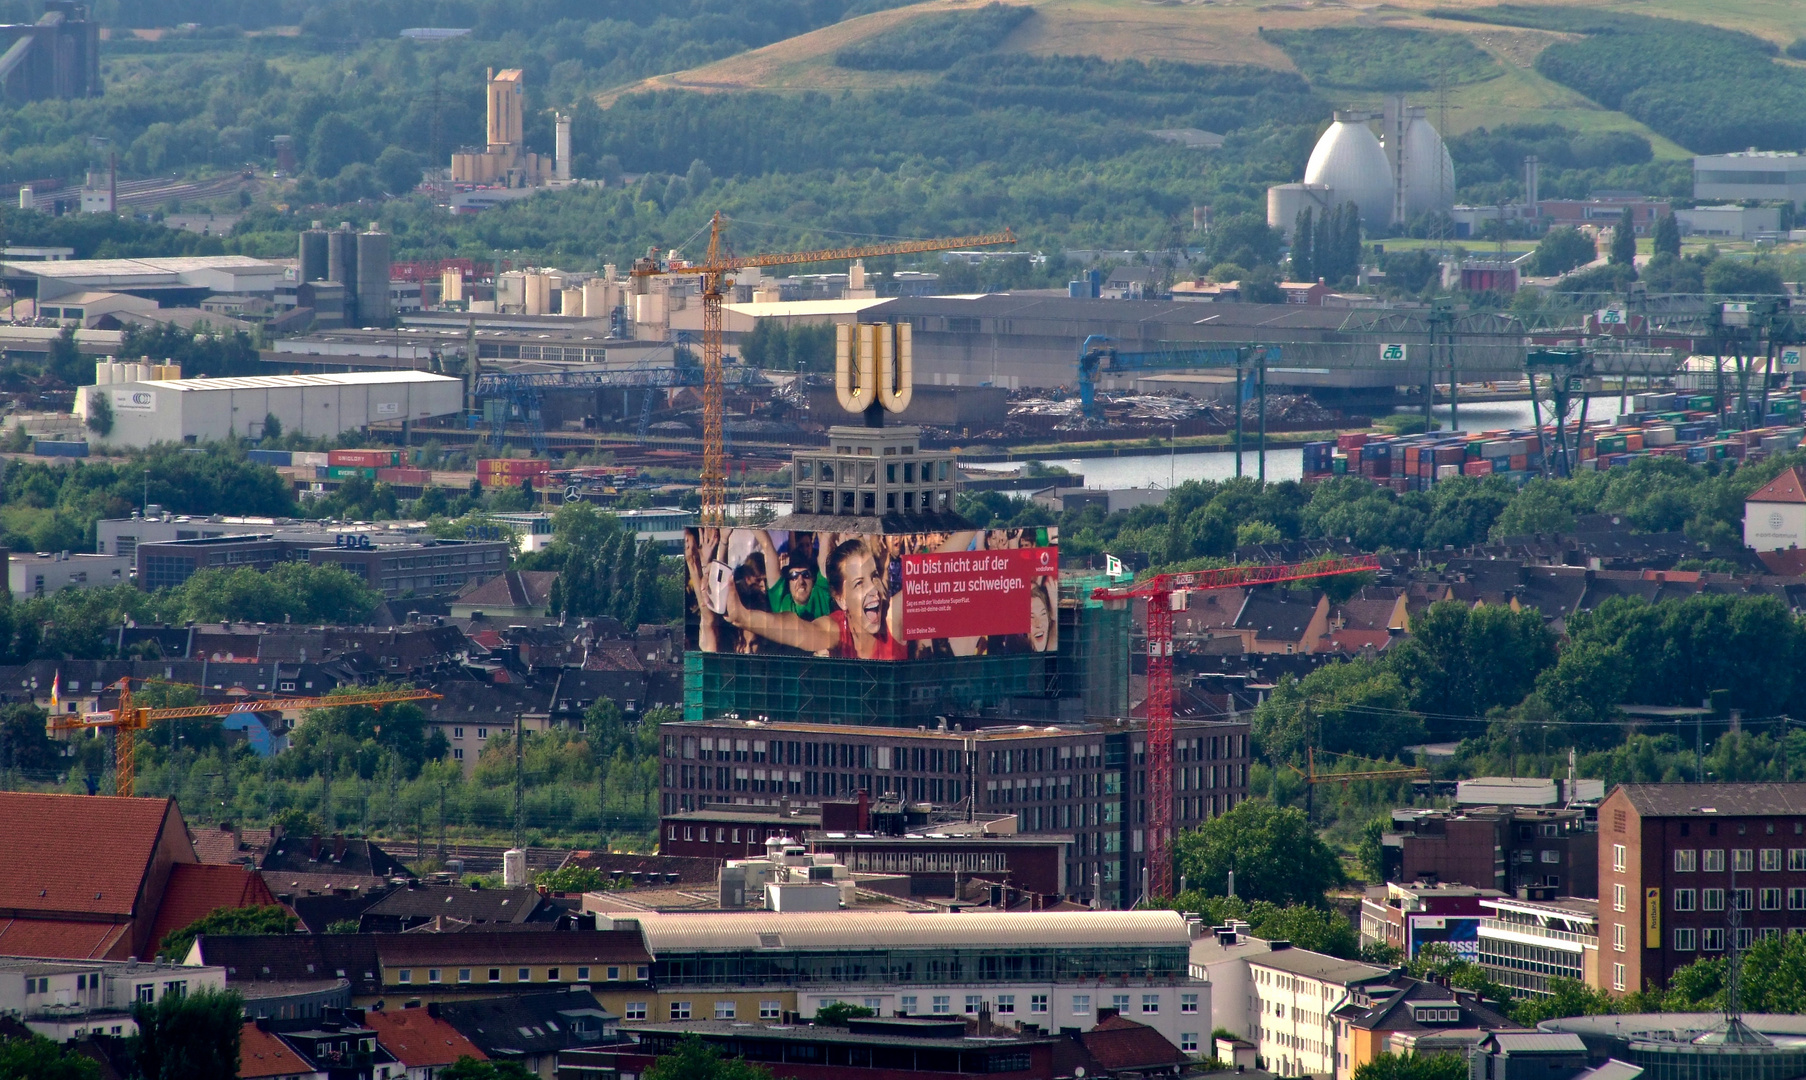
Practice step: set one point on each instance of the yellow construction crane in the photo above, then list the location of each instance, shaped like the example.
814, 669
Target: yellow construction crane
713, 272
1390, 771
127, 720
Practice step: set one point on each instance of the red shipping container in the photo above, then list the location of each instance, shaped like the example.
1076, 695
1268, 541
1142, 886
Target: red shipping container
1520, 462
1352, 440
1477, 467
400, 475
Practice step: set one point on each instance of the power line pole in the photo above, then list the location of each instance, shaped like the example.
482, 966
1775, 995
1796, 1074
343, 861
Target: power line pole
519, 785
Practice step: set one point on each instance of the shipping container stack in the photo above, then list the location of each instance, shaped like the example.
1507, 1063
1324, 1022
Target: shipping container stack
510, 472
1662, 425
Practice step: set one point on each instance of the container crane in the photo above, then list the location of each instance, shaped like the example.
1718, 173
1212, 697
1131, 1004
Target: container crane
1165, 594
713, 273
127, 720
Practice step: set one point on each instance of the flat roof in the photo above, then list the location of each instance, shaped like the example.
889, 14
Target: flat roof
803, 308
279, 382
857, 930
826, 1033
1313, 965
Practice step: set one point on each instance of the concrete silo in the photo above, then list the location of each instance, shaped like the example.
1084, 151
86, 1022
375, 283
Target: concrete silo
1351, 162
373, 277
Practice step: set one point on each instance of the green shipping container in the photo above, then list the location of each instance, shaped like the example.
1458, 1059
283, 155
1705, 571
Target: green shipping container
346, 472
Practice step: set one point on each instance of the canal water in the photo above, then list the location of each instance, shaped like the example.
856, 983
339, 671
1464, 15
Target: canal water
1167, 470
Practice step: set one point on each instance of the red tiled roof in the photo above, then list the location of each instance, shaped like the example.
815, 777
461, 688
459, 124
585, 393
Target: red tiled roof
65, 939
195, 890
1349, 640
1789, 563
222, 846
78, 853
418, 1039
263, 1054
1789, 487
1120, 1043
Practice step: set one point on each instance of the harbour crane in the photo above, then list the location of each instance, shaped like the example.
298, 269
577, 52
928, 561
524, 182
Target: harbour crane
1165, 594
127, 719
714, 277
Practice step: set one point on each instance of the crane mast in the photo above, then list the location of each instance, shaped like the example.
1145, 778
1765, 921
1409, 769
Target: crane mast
127, 720
1164, 593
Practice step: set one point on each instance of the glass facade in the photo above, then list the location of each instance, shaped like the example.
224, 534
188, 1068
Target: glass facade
1070, 962
1088, 676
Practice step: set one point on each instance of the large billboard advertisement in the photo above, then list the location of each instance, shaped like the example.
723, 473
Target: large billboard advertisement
894, 597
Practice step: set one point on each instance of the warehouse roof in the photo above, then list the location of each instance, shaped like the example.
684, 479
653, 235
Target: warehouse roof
1703, 800
755, 930
277, 382
1314, 965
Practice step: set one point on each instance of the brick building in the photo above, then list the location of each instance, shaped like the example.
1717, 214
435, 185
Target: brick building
1082, 780
1679, 863
1495, 847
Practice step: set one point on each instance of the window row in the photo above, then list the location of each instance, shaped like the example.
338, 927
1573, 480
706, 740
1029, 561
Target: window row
1743, 860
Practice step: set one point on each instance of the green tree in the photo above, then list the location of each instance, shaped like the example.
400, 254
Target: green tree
37, 1058
272, 427
1624, 240
468, 1068
1275, 854
1369, 854
100, 414
1463, 661
1390, 1066
1666, 238
1560, 250
1304, 263
838, 1013
696, 1060
571, 879
1566, 997
245, 920
189, 1037
1356, 706
399, 170
1759, 277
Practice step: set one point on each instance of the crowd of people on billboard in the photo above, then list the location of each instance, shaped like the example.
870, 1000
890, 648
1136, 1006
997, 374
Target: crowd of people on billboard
872, 597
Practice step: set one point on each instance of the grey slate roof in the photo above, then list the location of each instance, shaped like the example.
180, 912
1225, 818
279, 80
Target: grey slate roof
1715, 800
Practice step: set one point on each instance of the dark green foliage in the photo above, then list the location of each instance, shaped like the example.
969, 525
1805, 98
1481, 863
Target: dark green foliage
604, 570
840, 1012
1666, 239
252, 920
1275, 854
571, 879
366, 736
65, 363
466, 1068
1744, 277
1560, 250
24, 743
1797, 49
100, 415
1358, 707
290, 591
1336, 247
204, 354
1624, 241
1390, 1066
799, 347
1304, 260
1388, 58
937, 42
1464, 661
37, 1058
1306, 926
192, 1037
696, 1060
1411, 271
1246, 240
1710, 89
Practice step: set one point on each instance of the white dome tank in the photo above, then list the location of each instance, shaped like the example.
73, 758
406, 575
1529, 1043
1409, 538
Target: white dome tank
1429, 173
1351, 161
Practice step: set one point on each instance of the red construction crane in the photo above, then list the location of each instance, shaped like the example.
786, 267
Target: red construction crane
1162, 592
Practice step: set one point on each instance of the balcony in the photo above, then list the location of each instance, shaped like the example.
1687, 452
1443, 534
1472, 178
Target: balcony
1532, 934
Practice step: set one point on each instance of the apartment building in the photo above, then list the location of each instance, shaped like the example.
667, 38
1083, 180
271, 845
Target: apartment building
1527, 942
1295, 993
1686, 870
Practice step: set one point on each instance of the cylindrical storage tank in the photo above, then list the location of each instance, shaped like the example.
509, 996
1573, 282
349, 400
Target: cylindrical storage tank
535, 301
595, 298
1350, 159
514, 868
122, 372
1286, 201
103, 373
314, 254
571, 302
373, 278
341, 258
141, 372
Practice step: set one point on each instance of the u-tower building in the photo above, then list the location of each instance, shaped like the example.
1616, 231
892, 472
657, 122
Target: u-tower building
873, 642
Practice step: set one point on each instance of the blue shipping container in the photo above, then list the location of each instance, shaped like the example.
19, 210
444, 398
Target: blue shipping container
271, 457
52, 448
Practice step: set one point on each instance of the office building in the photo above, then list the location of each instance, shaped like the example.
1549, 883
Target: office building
1527, 943
1760, 175
1680, 863
1495, 847
42, 574
423, 568
1056, 969
68, 999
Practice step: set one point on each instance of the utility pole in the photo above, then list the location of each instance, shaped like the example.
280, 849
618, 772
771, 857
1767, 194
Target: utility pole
326, 795
441, 821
